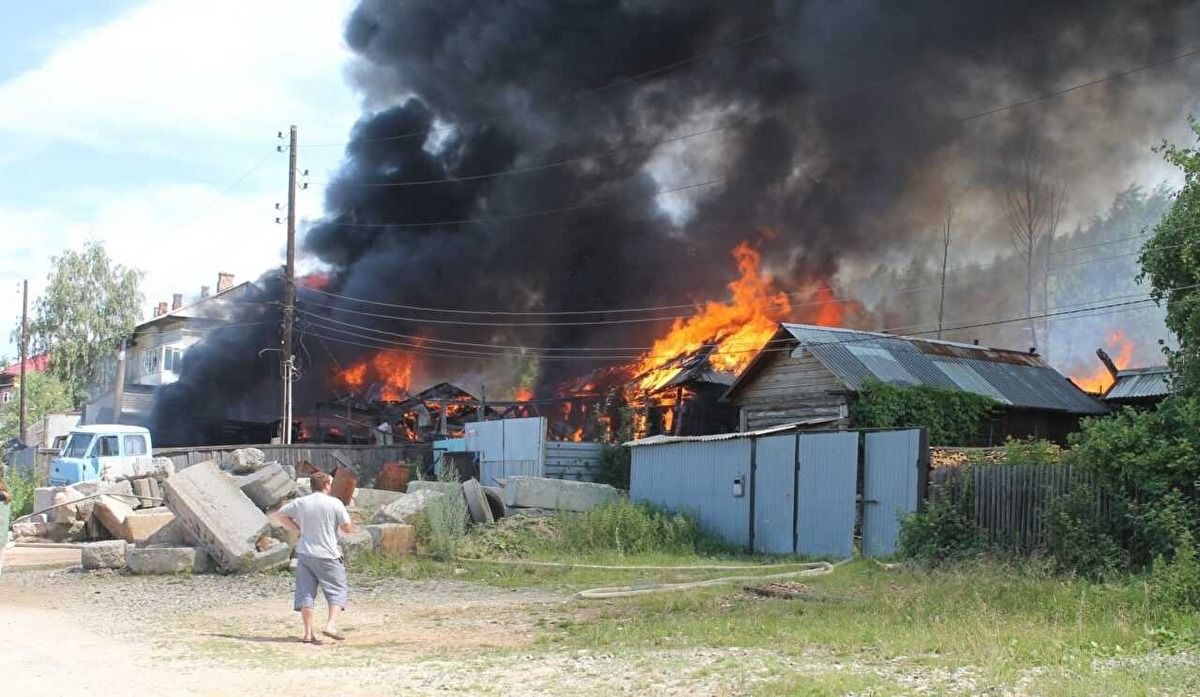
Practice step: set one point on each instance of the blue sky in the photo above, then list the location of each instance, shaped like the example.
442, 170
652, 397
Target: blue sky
130, 121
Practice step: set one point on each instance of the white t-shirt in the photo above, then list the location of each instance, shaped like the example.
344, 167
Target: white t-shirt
318, 516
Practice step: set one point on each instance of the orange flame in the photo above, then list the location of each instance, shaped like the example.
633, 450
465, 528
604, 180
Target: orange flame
738, 328
523, 394
1099, 380
391, 370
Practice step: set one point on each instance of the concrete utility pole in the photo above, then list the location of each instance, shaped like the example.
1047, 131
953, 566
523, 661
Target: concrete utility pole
286, 358
119, 385
24, 355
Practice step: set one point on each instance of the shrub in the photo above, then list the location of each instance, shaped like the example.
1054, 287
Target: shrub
1176, 583
21, 487
614, 466
1031, 451
944, 530
442, 524
633, 528
1078, 539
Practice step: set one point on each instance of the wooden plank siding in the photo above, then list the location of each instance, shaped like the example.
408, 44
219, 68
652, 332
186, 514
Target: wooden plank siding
788, 388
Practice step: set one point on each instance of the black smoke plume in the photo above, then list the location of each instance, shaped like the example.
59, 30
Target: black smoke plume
842, 126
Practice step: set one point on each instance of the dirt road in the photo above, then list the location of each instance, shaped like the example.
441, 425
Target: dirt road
75, 633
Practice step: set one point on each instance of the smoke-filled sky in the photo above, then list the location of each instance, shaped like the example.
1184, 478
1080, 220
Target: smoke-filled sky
845, 128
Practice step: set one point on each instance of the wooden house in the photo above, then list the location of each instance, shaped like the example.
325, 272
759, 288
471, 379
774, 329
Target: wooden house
808, 372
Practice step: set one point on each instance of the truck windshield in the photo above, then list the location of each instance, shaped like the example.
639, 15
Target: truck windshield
77, 445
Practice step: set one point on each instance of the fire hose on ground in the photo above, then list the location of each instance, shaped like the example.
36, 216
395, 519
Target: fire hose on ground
807, 569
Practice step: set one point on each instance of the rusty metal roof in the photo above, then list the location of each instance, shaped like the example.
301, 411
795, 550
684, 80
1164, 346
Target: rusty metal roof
1012, 378
1141, 383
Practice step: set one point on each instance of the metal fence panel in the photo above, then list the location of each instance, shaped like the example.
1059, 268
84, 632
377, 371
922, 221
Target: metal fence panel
509, 447
826, 491
702, 478
891, 478
775, 494
578, 461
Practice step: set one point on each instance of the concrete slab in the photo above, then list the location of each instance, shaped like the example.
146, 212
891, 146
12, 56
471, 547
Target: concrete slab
121, 490
31, 558
477, 505
276, 556
112, 515
355, 543
163, 560
401, 510
43, 497
392, 539
152, 526
109, 554
142, 487
268, 486
246, 460
556, 494
371, 499
440, 487
216, 515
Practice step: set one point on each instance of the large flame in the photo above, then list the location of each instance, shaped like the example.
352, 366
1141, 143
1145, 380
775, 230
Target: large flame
391, 371
1099, 380
738, 328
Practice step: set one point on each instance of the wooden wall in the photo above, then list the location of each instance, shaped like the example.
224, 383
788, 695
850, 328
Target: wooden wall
787, 389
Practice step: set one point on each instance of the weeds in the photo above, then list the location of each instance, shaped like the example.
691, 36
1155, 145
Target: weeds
442, 524
628, 528
21, 487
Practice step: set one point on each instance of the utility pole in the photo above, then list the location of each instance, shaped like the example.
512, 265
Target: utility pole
24, 355
945, 258
119, 386
286, 358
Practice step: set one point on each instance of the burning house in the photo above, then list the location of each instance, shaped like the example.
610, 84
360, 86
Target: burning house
531, 202
809, 372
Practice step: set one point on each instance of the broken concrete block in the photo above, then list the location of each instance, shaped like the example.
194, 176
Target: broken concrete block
151, 526
303, 486
109, 554
268, 486
290, 470
246, 460
477, 505
440, 487
345, 481
495, 499
400, 510
216, 515
273, 557
112, 514
144, 490
163, 468
392, 539
556, 494
162, 560
372, 499
43, 498
26, 530
354, 543
121, 490
66, 507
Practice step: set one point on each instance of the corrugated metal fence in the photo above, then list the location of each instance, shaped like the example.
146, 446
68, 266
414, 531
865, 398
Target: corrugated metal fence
1009, 502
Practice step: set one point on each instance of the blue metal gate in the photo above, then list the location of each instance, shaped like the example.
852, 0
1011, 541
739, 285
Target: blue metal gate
893, 478
774, 496
826, 491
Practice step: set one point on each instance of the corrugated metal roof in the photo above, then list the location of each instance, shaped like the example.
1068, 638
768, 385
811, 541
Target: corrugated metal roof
1141, 383
781, 428
1010, 377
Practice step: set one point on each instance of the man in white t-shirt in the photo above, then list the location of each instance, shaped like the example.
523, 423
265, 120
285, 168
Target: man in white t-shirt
317, 518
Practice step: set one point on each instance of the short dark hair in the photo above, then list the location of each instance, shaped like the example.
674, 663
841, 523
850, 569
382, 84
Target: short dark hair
320, 481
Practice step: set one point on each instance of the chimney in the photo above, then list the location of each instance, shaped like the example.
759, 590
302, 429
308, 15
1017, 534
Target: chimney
203, 291
162, 309
224, 282
176, 301
1107, 361
975, 342
154, 311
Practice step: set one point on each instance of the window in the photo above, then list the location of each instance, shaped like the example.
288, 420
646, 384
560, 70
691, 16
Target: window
172, 359
6, 396
135, 445
149, 361
107, 447
77, 446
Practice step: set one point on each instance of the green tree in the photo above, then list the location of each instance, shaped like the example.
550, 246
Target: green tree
46, 395
90, 302
1171, 262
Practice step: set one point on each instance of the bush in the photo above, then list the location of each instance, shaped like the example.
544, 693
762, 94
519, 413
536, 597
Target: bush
614, 466
1078, 539
1031, 451
442, 524
633, 528
943, 531
1176, 583
21, 487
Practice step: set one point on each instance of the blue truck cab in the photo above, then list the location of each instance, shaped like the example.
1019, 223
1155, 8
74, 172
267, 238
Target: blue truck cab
101, 452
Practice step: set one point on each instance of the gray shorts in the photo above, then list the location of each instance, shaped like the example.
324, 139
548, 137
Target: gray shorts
329, 574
